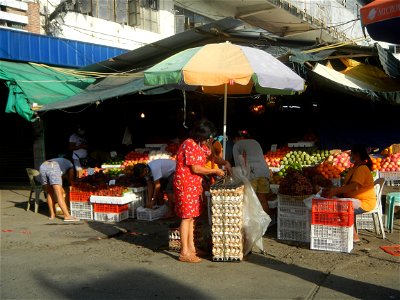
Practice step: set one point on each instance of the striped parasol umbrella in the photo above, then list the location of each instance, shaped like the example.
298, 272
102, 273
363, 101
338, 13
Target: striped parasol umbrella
227, 69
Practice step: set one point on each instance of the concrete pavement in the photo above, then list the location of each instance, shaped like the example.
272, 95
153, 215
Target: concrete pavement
42, 259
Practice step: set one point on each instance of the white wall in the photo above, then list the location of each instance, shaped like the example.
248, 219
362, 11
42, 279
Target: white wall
84, 28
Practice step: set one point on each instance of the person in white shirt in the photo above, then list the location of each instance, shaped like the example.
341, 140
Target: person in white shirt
159, 174
248, 151
79, 147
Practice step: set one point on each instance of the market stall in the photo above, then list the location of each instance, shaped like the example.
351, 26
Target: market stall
111, 193
299, 172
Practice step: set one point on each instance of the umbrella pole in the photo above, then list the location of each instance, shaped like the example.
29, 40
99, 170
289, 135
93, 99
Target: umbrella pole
224, 129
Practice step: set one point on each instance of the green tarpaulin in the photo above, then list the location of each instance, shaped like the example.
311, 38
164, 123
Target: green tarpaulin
31, 83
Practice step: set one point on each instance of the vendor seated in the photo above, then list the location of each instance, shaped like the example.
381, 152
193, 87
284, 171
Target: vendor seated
358, 183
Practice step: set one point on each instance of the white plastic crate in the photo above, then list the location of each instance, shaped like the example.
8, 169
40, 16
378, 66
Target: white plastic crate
391, 178
111, 217
81, 210
139, 195
125, 199
294, 219
365, 221
294, 228
148, 214
331, 238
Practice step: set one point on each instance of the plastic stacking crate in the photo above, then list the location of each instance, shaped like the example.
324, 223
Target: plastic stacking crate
110, 212
77, 195
109, 208
148, 214
293, 218
391, 178
332, 222
331, 238
111, 217
81, 210
138, 196
365, 221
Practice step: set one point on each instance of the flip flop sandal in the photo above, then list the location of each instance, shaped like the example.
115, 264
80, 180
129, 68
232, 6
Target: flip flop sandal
71, 220
189, 259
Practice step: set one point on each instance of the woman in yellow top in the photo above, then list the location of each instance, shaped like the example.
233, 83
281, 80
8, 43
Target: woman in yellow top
358, 183
216, 150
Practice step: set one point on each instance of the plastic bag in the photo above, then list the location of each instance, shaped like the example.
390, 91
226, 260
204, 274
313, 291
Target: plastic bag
255, 219
308, 201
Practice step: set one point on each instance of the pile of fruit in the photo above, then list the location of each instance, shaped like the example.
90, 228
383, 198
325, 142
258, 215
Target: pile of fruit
273, 158
295, 184
288, 156
390, 163
133, 158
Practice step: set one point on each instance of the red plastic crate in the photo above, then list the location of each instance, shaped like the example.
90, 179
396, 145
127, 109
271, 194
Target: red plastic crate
332, 219
79, 196
332, 205
109, 208
332, 212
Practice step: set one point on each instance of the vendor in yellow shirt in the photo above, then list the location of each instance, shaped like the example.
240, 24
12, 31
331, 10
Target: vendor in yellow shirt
358, 183
216, 149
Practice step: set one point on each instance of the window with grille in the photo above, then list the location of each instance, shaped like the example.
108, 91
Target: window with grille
151, 4
133, 13
191, 19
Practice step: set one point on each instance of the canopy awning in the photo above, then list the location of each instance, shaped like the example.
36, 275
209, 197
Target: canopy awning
33, 85
107, 88
360, 80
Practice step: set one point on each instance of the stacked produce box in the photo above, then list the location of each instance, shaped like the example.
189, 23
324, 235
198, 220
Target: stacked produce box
293, 218
293, 215
110, 209
80, 205
332, 225
111, 204
227, 221
139, 195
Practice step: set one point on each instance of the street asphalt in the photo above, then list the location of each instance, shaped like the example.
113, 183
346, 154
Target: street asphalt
47, 259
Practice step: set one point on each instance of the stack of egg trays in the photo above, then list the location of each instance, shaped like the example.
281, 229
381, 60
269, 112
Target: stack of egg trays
227, 220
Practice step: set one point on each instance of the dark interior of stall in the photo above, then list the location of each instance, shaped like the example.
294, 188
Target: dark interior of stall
337, 119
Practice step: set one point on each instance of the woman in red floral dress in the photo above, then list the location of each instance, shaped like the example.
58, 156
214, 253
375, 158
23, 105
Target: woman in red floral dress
190, 160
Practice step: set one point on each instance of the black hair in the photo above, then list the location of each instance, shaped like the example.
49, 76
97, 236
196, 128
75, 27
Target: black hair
138, 170
362, 151
202, 130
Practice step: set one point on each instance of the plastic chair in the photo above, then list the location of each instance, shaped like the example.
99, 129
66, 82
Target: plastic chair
36, 187
377, 211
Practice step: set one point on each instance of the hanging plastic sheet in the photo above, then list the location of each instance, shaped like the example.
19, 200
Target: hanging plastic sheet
255, 219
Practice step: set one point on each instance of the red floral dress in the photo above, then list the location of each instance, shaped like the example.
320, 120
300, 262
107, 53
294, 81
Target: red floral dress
187, 185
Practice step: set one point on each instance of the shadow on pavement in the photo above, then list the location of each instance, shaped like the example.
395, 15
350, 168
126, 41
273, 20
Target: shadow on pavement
135, 284
154, 236
350, 287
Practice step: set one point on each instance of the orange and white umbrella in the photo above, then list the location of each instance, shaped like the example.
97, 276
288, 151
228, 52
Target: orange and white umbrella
226, 68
